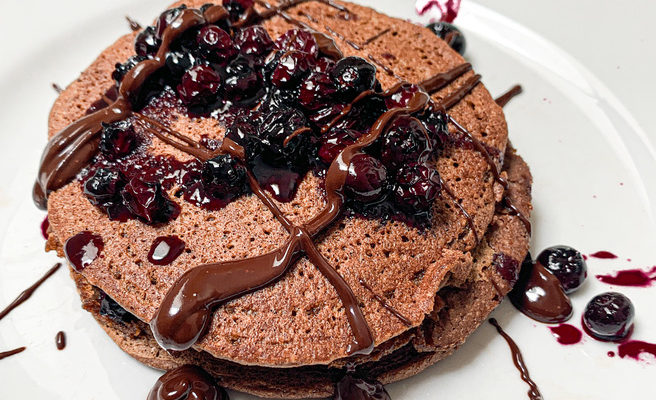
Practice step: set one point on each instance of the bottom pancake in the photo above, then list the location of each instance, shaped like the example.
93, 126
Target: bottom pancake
460, 307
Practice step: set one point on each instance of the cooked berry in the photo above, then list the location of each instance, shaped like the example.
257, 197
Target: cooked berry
353, 75
418, 185
103, 188
404, 142
117, 140
366, 178
224, 177
146, 42
508, 267
215, 44
254, 41
165, 19
402, 96
336, 141
111, 309
567, 264
298, 40
277, 126
609, 316
316, 91
291, 68
240, 131
179, 62
148, 201
245, 4
243, 84
199, 86
436, 123
325, 114
121, 69
324, 65
450, 34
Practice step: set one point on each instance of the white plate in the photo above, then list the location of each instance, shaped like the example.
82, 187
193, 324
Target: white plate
595, 189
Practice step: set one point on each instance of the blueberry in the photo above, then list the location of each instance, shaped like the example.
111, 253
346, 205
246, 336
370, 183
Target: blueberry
103, 188
179, 62
418, 185
298, 40
146, 42
147, 201
254, 41
120, 70
609, 316
199, 86
567, 264
215, 44
353, 75
112, 310
243, 83
224, 177
335, 141
366, 178
117, 140
404, 142
450, 34
279, 124
292, 67
316, 91
165, 19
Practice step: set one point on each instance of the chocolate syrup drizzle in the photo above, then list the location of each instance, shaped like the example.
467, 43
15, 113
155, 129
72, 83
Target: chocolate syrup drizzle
27, 293
5, 354
186, 382
57, 88
518, 360
509, 95
134, 25
60, 340
185, 313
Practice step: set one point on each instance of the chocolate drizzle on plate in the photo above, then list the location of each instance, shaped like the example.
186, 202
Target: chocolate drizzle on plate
60, 340
134, 25
518, 360
27, 293
509, 95
5, 354
187, 382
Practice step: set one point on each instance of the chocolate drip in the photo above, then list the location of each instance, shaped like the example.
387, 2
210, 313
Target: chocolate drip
540, 295
187, 382
5, 354
57, 88
441, 80
513, 210
455, 97
376, 36
134, 25
385, 304
454, 200
60, 340
518, 360
509, 95
354, 388
27, 293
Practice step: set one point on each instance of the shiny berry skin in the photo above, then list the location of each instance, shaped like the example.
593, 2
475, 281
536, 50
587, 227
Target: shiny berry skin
335, 141
567, 264
353, 75
224, 177
103, 188
404, 142
254, 41
112, 310
243, 84
276, 126
366, 178
292, 67
402, 96
316, 91
418, 185
609, 316
215, 43
165, 19
236, 8
146, 42
147, 201
179, 62
120, 70
449, 33
298, 40
117, 140
199, 86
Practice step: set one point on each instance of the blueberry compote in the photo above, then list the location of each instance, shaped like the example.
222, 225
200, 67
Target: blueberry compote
281, 101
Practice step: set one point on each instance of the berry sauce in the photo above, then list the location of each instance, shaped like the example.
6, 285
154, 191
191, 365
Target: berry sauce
165, 249
635, 348
82, 249
603, 254
566, 334
45, 224
630, 277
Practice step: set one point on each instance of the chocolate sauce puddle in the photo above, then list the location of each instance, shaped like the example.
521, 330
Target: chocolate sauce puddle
5, 354
518, 360
27, 293
539, 295
60, 340
187, 382
509, 95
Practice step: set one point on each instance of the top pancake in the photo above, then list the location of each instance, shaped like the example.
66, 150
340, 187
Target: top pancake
299, 320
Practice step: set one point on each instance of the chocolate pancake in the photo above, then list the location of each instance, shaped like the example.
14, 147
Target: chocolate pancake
435, 283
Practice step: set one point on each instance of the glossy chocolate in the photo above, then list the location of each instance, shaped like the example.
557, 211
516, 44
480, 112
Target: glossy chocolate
82, 249
165, 249
60, 340
27, 293
187, 382
354, 388
5, 354
509, 95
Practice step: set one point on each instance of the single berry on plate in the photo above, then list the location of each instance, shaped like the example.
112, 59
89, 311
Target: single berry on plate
567, 264
609, 316
366, 179
224, 177
179, 62
298, 40
254, 41
199, 86
146, 42
215, 44
406, 141
353, 75
316, 91
120, 70
117, 140
450, 34
165, 19
418, 185
335, 141
292, 67
148, 201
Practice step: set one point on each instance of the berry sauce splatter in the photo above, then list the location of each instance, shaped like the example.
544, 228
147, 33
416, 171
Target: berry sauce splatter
630, 277
44, 227
566, 334
605, 255
634, 348
446, 10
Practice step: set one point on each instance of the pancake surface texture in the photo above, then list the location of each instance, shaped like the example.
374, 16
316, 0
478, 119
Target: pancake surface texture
290, 338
